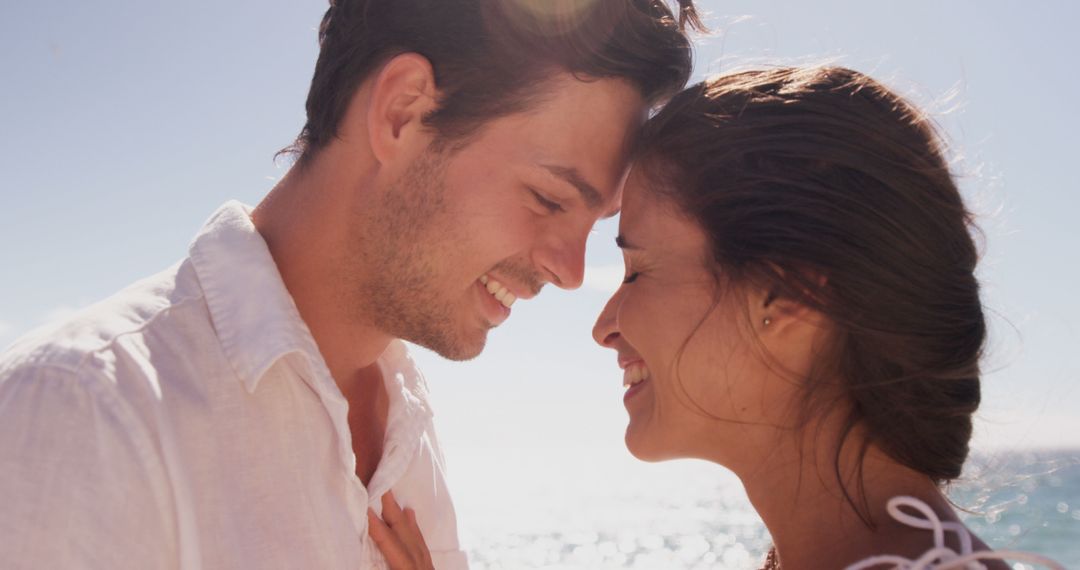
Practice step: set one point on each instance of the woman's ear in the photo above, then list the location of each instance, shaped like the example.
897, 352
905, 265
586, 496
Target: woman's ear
773, 307
776, 309
402, 94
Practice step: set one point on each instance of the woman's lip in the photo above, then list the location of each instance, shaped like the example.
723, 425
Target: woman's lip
633, 390
625, 363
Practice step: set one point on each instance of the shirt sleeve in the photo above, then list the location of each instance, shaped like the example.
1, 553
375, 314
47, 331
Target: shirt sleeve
81, 483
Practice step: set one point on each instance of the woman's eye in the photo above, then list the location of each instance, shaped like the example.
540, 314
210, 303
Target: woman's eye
631, 278
549, 205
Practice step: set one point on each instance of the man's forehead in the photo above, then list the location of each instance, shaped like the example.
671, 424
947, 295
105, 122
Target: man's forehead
593, 198
614, 206
602, 198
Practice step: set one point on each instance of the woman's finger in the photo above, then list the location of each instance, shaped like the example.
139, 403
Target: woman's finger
393, 549
405, 529
410, 515
391, 512
398, 536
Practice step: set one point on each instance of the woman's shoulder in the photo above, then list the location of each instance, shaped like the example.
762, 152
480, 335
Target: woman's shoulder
972, 553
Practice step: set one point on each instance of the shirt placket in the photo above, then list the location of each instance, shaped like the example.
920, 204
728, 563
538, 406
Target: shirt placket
337, 408
404, 430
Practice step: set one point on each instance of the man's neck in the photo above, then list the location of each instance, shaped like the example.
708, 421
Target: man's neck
301, 221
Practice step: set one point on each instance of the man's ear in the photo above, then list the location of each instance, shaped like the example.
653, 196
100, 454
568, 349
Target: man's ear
402, 94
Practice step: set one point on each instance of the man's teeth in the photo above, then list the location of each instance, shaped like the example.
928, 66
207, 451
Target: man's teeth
497, 290
634, 374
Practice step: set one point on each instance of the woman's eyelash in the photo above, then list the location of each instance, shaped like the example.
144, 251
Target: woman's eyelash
548, 204
631, 278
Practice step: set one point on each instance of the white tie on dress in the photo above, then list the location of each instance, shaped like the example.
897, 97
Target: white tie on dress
941, 557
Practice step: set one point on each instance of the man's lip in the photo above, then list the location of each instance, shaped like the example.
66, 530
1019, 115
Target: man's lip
517, 292
625, 363
497, 312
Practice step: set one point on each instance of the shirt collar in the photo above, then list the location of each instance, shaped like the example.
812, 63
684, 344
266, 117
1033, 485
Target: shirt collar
255, 317
253, 314
404, 377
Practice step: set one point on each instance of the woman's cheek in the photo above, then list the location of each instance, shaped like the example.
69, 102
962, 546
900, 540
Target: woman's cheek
639, 320
629, 319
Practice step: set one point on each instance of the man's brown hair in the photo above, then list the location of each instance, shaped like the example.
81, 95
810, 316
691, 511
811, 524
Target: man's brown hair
490, 57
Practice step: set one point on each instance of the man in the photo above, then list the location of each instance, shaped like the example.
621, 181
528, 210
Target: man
244, 408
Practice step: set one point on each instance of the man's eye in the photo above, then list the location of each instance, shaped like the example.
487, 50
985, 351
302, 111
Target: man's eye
631, 278
550, 206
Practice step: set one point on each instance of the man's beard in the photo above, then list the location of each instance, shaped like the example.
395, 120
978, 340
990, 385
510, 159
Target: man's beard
402, 251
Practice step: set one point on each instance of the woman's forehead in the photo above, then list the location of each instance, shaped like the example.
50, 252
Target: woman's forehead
652, 222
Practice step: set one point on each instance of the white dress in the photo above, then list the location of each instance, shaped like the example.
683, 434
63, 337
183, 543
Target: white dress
941, 557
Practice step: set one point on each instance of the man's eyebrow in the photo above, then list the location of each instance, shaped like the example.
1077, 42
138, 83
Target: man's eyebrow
623, 244
589, 193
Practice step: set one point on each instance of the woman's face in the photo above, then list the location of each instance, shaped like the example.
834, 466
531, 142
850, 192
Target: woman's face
685, 342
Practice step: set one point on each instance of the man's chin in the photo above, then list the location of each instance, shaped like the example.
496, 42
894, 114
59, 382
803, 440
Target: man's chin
458, 350
460, 355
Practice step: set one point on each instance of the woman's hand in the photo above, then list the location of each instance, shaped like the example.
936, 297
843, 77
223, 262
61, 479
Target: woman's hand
399, 537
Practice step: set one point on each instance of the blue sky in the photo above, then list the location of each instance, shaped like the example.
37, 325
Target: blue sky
127, 123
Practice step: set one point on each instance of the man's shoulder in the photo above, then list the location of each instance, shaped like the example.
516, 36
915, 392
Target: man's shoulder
83, 342
82, 463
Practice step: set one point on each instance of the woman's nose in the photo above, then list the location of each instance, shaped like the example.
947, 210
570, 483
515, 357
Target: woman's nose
606, 329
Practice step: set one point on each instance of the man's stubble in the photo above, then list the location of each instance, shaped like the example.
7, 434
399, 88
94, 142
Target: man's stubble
406, 244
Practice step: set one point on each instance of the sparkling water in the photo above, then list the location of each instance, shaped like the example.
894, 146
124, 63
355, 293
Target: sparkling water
552, 509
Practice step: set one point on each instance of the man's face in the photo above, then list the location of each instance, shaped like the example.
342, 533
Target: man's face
511, 210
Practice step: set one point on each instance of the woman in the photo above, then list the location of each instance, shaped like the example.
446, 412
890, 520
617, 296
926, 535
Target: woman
800, 306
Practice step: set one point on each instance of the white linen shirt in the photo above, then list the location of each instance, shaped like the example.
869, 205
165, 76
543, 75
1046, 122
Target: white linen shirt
190, 422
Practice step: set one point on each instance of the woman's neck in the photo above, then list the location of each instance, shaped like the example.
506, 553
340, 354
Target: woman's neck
797, 492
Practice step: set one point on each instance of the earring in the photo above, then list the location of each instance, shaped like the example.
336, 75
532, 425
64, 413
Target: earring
767, 321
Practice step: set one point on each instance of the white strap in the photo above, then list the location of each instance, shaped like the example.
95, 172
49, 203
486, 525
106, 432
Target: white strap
941, 557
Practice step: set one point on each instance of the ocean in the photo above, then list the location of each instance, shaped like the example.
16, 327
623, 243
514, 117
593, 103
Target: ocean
560, 511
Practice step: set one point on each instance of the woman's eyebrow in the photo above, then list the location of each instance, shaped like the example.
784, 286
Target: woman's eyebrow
620, 241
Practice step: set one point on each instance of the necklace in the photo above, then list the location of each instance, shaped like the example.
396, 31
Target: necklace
772, 561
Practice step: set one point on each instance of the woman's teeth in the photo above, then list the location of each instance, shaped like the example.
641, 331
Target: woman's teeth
497, 290
635, 374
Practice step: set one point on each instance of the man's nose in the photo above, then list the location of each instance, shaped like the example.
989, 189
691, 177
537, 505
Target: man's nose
563, 261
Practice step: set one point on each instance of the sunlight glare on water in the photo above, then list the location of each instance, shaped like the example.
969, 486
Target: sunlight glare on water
555, 509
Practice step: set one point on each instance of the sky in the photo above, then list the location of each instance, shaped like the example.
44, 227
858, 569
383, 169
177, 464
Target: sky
126, 124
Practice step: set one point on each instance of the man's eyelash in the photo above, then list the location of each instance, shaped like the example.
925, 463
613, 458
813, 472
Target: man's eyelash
631, 278
548, 204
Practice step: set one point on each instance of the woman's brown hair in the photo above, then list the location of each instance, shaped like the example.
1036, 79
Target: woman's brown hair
802, 174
